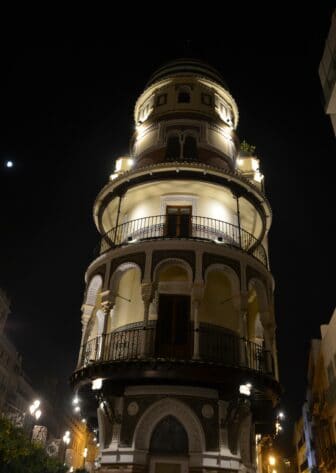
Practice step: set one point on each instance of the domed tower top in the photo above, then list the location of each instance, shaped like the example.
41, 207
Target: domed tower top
185, 113
187, 66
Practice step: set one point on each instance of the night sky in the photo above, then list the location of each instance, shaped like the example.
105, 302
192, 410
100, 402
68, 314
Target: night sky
67, 113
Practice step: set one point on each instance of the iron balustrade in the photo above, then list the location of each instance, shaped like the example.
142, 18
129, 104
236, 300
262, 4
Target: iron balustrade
214, 346
202, 228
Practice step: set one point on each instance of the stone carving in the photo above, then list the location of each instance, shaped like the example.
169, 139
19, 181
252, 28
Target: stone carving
207, 411
133, 408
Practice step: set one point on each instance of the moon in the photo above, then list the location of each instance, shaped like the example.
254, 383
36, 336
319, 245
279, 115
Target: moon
9, 164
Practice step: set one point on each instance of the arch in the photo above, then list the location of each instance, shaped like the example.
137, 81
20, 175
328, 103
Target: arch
126, 291
232, 276
169, 437
257, 311
164, 264
118, 272
261, 293
93, 287
220, 305
164, 408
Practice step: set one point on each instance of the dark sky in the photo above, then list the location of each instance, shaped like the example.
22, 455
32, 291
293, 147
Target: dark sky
66, 114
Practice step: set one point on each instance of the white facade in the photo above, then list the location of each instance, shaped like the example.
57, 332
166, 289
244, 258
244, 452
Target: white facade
178, 320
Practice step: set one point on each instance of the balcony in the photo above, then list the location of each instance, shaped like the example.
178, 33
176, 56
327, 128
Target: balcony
214, 346
183, 227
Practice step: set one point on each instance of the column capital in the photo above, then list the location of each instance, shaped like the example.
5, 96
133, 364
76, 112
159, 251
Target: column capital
147, 291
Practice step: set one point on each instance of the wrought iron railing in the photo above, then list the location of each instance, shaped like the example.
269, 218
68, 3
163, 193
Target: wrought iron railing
202, 228
214, 346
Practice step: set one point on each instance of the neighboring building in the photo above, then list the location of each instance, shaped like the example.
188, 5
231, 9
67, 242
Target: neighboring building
16, 394
327, 72
319, 410
178, 352
301, 447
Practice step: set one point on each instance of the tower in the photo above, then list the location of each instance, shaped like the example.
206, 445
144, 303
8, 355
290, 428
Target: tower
178, 357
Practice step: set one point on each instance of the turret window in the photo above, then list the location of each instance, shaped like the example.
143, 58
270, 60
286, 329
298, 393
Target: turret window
161, 100
190, 148
173, 150
181, 147
183, 97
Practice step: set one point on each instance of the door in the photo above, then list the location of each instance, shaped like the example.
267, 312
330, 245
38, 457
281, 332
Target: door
172, 329
178, 221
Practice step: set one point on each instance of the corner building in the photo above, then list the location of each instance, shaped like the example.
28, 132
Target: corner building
178, 353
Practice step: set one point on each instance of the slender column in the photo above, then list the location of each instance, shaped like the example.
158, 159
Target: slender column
107, 306
238, 220
117, 219
147, 296
197, 296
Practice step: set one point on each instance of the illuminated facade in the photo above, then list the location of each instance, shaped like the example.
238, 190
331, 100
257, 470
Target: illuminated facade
178, 352
327, 72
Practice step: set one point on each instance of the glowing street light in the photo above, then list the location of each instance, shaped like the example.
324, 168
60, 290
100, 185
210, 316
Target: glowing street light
271, 460
34, 409
66, 437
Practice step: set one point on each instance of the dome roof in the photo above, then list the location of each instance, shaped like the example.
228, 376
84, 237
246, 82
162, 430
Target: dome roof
187, 66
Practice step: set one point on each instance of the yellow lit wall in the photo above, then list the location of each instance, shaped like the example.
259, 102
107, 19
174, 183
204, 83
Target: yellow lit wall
217, 306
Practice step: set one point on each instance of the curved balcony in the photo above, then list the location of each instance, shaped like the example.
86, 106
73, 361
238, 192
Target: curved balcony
215, 346
183, 227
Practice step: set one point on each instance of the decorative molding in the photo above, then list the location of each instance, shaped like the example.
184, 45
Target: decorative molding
171, 390
174, 256
164, 408
215, 259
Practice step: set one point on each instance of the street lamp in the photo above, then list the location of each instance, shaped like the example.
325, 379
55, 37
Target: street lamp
34, 409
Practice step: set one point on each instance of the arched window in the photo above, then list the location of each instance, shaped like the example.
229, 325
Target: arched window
169, 437
183, 97
190, 148
173, 149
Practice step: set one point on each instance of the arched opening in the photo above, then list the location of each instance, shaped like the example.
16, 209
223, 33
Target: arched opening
190, 148
173, 149
217, 307
219, 319
255, 330
128, 308
183, 96
173, 336
169, 438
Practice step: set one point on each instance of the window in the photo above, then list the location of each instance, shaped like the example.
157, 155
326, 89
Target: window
183, 97
206, 99
173, 150
190, 148
161, 100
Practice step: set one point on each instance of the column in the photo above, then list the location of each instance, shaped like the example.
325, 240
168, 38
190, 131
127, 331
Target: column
196, 298
145, 339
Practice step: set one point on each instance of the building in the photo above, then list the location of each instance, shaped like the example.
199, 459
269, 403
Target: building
16, 393
178, 352
327, 72
319, 410
301, 447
